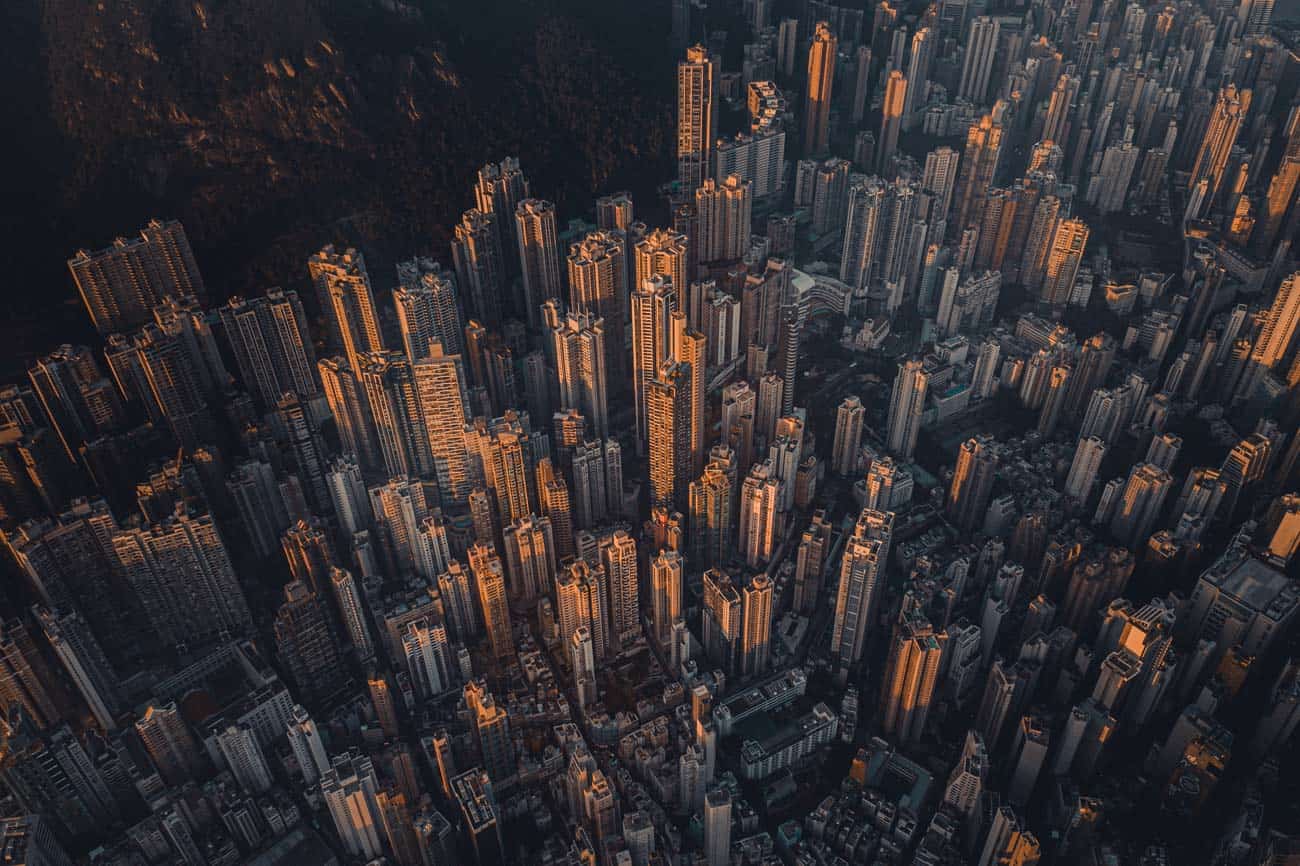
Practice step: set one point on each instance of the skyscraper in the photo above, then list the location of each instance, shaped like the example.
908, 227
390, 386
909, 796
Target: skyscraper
940, 178
305, 742
666, 593
1054, 404
759, 528
581, 601
271, 345
480, 269
757, 157
76, 647
689, 348
183, 319
639, 832
78, 400
346, 398
663, 531
618, 557
906, 405
502, 457
428, 309
791, 327
240, 750
723, 620
172, 381
343, 289
1063, 260
787, 46
723, 213
768, 411
614, 212
473, 793
862, 568
259, 500
817, 100
711, 517
491, 580
66, 563
121, 284
668, 428
911, 678
757, 637
554, 502
664, 253
1110, 186
25, 679
306, 646
681, 24
400, 508
348, 788
183, 575
891, 118
972, 482
169, 744
849, 420
1230, 109
598, 287
1255, 16
355, 622
1038, 243
1060, 113
597, 483
977, 66
976, 172
539, 255
968, 777
580, 356
717, 827
919, 59
863, 229
1141, 503
428, 660
1030, 748
499, 189
810, 562
306, 448
697, 90
1083, 469
50, 772
739, 407
389, 383
440, 390
1281, 322
459, 601
530, 557
1278, 202
831, 180
1163, 450
583, 660
1006, 691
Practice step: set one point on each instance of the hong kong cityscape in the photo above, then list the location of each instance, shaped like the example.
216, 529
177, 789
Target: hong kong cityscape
657, 433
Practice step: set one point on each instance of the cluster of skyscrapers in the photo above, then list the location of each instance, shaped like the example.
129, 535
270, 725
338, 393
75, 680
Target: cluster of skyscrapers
959, 428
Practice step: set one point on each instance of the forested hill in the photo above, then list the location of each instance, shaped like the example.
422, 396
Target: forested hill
272, 126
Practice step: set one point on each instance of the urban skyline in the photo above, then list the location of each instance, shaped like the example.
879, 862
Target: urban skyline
914, 479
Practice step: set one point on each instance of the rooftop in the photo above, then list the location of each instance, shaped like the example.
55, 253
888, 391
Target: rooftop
474, 801
1254, 583
299, 846
902, 779
743, 702
791, 733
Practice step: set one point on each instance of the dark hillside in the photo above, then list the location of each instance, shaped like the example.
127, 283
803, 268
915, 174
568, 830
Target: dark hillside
270, 127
